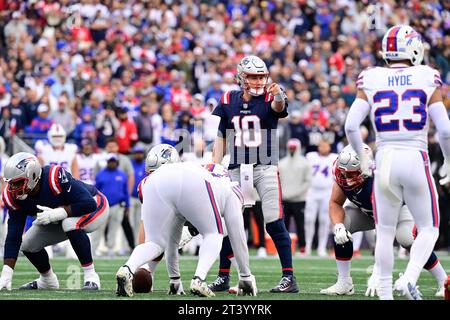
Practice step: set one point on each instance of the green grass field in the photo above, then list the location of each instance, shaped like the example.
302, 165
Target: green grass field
312, 274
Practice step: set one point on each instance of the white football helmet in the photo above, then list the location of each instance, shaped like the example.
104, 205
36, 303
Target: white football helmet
159, 155
57, 135
402, 43
252, 66
347, 168
22, 173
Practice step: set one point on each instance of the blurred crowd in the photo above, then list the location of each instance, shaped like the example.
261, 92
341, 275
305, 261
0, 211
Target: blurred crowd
153, 71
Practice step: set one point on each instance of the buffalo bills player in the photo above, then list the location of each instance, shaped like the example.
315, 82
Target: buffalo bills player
248, 125
65, 208
351, 210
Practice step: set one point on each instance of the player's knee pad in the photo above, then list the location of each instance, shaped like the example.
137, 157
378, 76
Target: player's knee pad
404, 235
28, 246
277, 231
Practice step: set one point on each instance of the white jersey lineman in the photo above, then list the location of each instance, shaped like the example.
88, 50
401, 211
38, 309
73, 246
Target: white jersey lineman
401, 99
86, 167
178, 192
50, 155
317, 198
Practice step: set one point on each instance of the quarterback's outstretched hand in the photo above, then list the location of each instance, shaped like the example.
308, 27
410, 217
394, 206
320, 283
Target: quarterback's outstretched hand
6, 278
341, 234
274, 89
373, 284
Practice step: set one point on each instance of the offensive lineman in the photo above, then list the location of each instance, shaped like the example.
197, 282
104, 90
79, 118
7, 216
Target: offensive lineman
66, 208
400, 99
178, 192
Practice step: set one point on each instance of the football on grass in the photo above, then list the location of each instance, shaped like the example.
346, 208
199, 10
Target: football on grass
142, 281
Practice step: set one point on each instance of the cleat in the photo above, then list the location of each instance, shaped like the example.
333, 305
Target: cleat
340, 288
247, 286
222, 283
90, 286
405, 288
287, 284
200, 288
29, 286
50, 282
440, 293
176, 288
124, 278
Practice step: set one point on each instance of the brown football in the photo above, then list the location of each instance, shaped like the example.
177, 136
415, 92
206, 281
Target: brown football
142, 281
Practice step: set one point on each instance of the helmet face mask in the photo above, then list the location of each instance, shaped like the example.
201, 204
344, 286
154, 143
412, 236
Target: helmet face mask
252, 75
22, 173
347, 168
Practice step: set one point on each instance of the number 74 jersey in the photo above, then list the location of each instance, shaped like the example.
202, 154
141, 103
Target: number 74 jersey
398, 98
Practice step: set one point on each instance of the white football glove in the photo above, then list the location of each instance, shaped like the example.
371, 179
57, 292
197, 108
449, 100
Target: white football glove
6, 278
49, 215
366, 164
373, 283
341, 235
247, 286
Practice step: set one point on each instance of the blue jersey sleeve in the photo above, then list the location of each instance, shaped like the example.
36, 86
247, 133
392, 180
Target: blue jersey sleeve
75, 192
220, 112
16, 224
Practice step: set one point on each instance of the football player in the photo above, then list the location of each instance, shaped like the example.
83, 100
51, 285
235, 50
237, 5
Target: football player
318, 195
65, 208
57, 151
401, 98
179, 192
86, 160
351, 210
248, 126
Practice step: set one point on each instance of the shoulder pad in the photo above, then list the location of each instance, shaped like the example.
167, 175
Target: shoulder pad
56, 178
226, 97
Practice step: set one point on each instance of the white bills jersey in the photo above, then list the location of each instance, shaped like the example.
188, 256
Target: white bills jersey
399, 98
86, 166
62, 157
322, 166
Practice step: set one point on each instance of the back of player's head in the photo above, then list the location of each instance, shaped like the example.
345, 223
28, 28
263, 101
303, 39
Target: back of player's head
57, 135
402, 42
22, 173
252, 66
347, 168
159, 155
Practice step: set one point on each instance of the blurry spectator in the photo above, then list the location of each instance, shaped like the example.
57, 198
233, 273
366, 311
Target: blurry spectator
107, 125
127, 133
85, 128
41, 123
157, 122
295, 178
17, 114
168, 129
144, 124
138, 162
197, 107
64, 115
210, 122
215, 91
228, 83
112, 182
30, 103
178, 93
298, 128
5, 97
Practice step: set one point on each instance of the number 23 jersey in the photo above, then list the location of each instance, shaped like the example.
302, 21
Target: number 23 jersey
398, 98
249, 127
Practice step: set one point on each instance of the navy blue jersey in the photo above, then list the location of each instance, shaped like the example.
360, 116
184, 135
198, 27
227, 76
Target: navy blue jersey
57, 189
362, 197
249, 128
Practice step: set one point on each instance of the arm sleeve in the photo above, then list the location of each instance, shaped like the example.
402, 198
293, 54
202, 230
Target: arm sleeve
16, 224
438, 114
77, 196
356, 115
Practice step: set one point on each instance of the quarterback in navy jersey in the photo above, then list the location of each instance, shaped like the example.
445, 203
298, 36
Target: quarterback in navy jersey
65, 208
351, 210
248, 126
